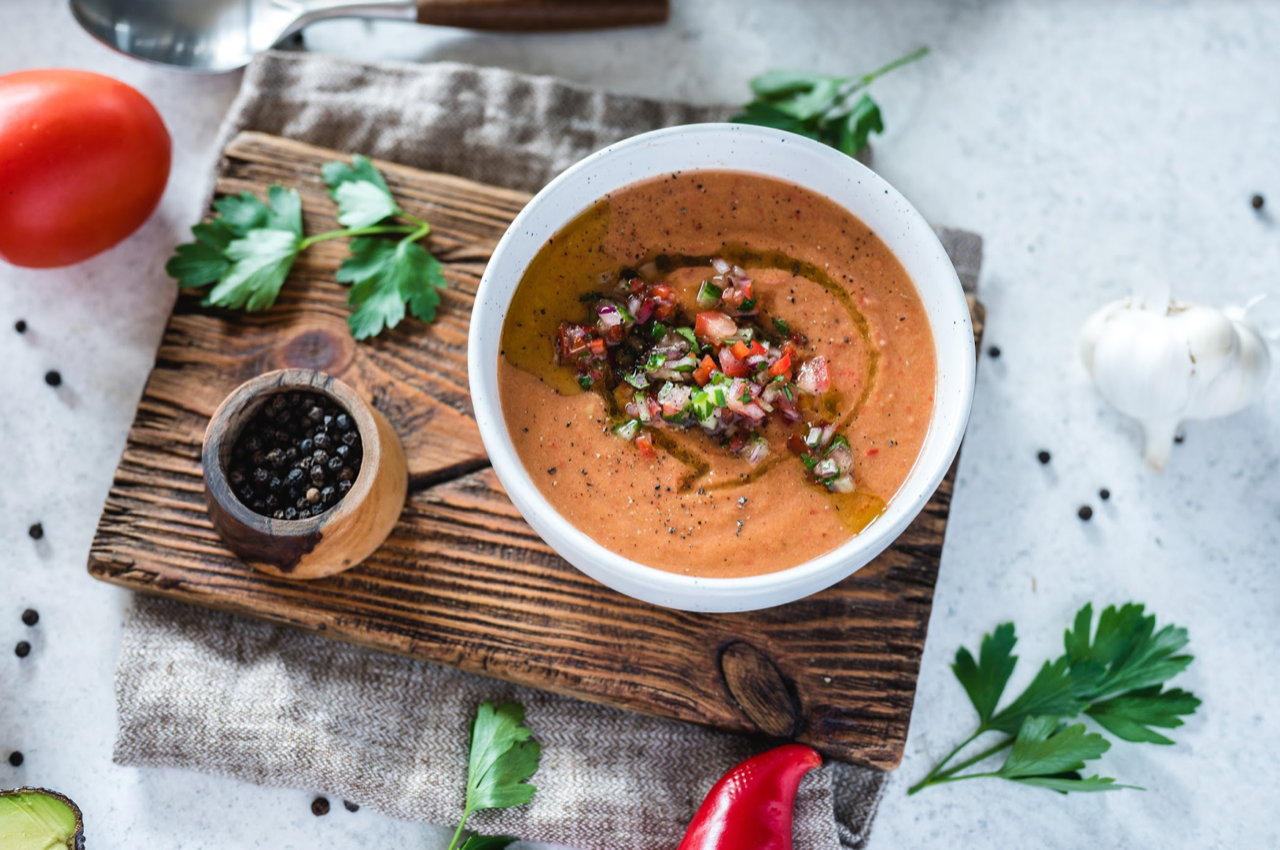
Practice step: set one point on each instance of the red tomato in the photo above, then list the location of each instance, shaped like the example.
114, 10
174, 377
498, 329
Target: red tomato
83, 162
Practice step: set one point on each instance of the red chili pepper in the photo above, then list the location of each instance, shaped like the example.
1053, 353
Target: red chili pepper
645, 444
703, 373
750, 808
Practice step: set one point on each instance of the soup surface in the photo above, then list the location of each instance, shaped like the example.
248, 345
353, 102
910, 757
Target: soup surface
717, 373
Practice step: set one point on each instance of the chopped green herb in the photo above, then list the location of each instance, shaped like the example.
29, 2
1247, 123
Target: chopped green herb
655, 362
658, 331
783, 327
637, 380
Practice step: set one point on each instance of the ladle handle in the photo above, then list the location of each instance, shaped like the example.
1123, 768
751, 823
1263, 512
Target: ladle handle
542, 15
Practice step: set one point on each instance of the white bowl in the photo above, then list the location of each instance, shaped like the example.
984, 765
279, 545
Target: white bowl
776, 154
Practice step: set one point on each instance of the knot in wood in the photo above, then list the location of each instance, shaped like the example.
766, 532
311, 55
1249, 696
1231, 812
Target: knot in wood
318, 348
758, 687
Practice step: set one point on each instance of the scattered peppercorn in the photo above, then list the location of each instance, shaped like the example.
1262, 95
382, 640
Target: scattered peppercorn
1257, 201
1104, 494
993, 351
36, 531
53, 377
551, 471
30, 616
1085, 513
285, 465
1178, 438
1043, 456
20, 326
319, 807
16, 758
23, 649
350, 806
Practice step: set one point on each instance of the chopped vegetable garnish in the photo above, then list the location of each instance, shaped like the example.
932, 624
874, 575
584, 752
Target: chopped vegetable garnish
726, 375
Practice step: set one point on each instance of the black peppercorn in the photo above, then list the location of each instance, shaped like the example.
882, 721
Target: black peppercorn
993, 352
16, 758
23, 649
1085, 513
350, 806
36, 531
1043, 456
53, 377
1104, 494
20, 326
288, 450
1257, 201
319, 807
30, 616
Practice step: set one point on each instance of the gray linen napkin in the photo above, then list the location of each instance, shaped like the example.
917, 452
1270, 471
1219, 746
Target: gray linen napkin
216, 693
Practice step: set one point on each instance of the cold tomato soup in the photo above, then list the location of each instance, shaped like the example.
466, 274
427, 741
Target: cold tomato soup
717, 373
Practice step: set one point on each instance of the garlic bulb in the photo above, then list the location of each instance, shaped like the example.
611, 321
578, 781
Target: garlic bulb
1164, 366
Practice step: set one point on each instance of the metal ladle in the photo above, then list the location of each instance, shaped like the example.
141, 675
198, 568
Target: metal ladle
214, 36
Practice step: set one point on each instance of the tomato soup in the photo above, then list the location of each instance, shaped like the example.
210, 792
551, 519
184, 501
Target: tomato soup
717, 373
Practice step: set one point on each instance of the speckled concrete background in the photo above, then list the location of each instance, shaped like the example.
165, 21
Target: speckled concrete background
1092, 144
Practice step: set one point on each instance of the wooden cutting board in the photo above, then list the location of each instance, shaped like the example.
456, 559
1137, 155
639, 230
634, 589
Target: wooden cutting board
463, 580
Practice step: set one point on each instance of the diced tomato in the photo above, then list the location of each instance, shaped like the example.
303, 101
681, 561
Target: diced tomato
745, 289
813, 377
872, 452
571, 340
782, 367
731, 365
664, 301
597, 347
715, 326
703, 373
797, 444
757, 350
644, 443
740, 350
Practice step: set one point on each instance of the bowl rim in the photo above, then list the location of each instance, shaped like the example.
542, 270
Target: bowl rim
696, 593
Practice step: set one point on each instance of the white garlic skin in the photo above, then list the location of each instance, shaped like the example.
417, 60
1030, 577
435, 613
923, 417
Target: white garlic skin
1165, 366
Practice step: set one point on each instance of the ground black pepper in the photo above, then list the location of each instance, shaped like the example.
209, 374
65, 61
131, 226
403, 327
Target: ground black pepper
30, 616
1104, 494
296, 458
1085, 513
1257, 201
350, 806
36, 531
20, 326
53, 377
319, 806
16, 758
1044, 456
23, 649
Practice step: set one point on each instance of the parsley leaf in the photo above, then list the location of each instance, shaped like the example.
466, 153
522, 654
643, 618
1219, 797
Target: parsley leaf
502, 758
984, 680
488, 842
248, 249
836, 111
385, 275
361, 194
1130, 716
1045, 747
1115, 675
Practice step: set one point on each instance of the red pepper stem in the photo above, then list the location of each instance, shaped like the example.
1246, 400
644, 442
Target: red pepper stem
752, 806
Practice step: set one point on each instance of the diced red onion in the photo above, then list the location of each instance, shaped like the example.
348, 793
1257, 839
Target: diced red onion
720, 265
812, 377
759, 451
843, 484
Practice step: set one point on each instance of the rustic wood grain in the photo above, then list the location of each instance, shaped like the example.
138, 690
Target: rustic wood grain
463, 580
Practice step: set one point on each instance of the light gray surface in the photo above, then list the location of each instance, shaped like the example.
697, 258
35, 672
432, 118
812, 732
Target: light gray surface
1081, 139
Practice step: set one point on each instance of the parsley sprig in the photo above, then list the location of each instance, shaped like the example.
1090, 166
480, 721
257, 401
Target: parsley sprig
502, 760
836, 111
248, 248
1114, 675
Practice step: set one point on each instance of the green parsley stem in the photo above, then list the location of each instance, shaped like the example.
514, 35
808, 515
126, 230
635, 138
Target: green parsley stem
985, 754
417, 221
457, 833
895, 64
360, 231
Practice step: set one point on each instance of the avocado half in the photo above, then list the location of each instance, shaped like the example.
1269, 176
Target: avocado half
36, 819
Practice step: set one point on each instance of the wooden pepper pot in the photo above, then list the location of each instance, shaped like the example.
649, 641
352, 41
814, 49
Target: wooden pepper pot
329, 542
